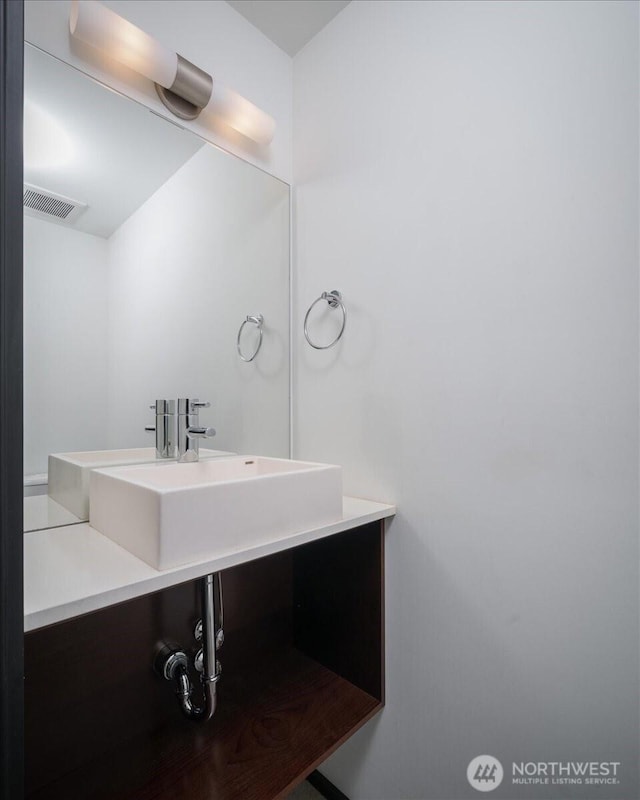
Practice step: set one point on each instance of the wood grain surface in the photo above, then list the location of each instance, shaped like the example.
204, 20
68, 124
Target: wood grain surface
101, 725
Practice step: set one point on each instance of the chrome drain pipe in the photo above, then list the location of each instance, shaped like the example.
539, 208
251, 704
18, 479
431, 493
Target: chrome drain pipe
172, 662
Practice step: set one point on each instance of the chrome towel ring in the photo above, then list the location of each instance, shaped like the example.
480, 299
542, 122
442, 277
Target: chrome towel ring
334, 298
254, 319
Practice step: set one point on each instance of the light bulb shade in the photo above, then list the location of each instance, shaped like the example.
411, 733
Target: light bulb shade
241, 115
189, 87
98, 26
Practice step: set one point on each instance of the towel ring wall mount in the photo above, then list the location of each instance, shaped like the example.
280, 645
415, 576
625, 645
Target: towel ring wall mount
334, 299
254, 319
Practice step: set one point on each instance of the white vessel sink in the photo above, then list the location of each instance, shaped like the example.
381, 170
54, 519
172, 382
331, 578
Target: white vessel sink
172, 514
69, 472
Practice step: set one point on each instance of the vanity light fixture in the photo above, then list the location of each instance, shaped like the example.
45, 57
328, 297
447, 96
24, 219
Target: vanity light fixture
185, 89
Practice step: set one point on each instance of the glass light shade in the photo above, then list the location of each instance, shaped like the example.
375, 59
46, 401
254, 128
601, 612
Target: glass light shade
102, 28
241, 115
98, 26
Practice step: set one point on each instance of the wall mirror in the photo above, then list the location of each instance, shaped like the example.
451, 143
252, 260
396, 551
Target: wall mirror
139, 290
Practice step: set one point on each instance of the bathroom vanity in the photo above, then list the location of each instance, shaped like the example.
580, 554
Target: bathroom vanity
303, 662
202, 247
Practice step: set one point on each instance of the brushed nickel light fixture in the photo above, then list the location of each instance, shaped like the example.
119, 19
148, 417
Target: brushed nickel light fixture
185, 89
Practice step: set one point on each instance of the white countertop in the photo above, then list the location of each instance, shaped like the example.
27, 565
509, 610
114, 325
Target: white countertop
73, 570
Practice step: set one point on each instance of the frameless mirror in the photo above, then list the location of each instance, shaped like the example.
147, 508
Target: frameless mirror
145, 250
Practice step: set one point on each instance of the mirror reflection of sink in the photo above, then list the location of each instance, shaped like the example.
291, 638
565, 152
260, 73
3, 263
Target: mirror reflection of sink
170, 514
69, 472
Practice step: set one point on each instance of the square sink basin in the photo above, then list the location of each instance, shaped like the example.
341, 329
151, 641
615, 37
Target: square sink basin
173, 514
68, 477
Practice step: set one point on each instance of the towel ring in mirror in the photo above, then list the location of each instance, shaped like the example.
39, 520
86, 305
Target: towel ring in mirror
254, 319
334, 299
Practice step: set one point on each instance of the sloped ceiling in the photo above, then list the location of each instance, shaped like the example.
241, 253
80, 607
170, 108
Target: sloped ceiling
289, 23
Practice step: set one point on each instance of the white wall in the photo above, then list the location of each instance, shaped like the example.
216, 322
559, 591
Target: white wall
467, 175
207, 32
65, 342
184, 271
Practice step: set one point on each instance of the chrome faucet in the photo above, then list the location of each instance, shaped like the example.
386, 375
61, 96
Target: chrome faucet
164, 428
189, 430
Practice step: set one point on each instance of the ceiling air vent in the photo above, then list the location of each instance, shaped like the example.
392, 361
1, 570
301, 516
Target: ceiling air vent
42, 203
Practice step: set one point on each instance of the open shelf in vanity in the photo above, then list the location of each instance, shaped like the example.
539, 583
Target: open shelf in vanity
303, 669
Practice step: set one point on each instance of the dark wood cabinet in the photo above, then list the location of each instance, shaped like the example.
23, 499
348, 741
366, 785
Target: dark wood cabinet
303, 669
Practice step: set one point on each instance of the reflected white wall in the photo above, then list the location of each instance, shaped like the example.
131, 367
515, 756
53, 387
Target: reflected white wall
207, 249
65, 342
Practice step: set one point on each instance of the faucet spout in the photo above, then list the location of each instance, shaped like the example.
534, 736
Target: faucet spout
200, 433
189, 429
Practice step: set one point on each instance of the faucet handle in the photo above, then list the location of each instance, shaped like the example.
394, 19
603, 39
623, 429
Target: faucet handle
189, 406
151, 428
